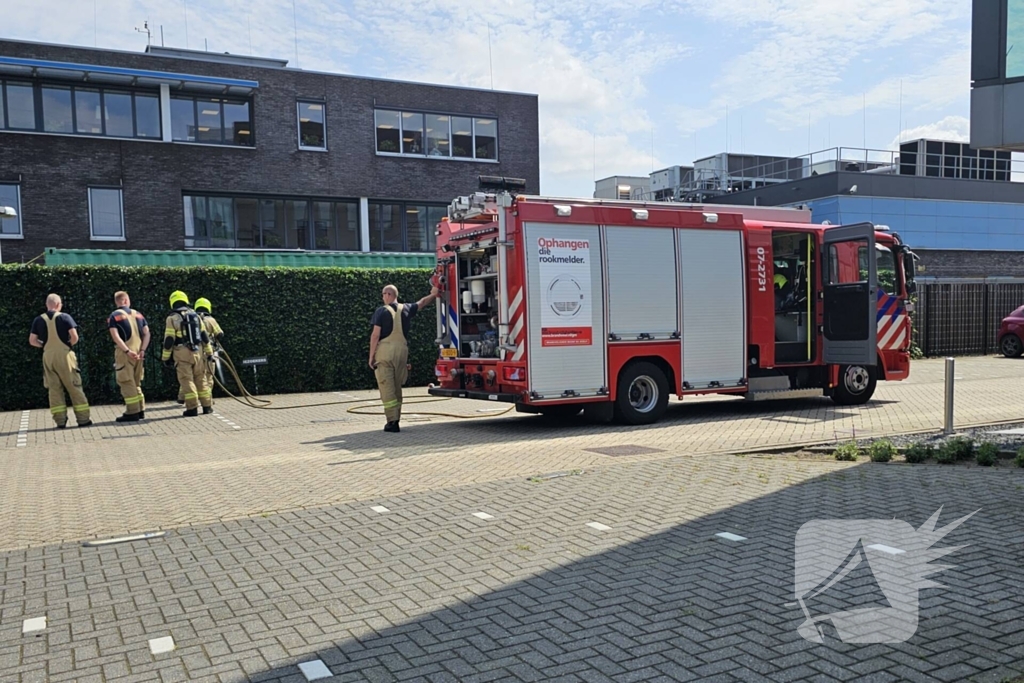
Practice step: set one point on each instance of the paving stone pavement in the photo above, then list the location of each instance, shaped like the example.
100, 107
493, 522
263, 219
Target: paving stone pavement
429, 591
112, 479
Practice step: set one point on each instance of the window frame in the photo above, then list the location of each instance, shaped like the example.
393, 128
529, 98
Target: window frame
120, 200
20, 235
39, 127
261, 212
221, 101
451, 144
298, 123
375, 208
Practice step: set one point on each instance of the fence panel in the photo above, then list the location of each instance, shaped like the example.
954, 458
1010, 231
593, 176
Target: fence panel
955, 322
962, 317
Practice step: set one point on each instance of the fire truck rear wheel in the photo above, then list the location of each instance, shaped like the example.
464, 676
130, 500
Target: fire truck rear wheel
642, 395
856, 385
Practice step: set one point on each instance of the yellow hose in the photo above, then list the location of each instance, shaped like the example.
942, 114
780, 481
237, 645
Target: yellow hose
265, 404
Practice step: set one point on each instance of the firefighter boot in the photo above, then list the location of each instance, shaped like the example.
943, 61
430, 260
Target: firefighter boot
207, 410
129, 417
191, 412
392, 427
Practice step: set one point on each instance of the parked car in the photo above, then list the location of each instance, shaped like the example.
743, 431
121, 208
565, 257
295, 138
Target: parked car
1011, 334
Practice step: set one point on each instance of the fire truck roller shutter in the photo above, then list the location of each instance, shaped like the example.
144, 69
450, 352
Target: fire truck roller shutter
642, 284
565, 299
714, 308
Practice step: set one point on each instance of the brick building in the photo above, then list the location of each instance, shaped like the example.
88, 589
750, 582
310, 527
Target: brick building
178, 149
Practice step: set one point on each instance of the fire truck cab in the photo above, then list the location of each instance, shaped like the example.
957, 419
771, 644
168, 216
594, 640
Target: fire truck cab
569, 305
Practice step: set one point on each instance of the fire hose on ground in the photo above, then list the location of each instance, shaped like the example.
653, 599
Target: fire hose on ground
246, 398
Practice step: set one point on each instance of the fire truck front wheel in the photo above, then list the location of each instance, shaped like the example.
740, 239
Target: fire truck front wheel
642, 394
856, 385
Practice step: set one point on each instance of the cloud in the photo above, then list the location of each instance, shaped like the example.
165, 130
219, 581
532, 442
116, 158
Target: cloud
590, 75
951, 129
800, 59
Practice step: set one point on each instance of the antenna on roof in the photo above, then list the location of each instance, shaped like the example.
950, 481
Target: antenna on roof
145, 29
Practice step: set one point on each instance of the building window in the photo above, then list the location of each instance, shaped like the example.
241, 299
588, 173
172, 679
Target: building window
147, 117
446, 136
57, 116
412, 133
271, 223
88, 112
10, 195
486, 133
438, 135
81, 110
106, 214
312, 126
211, 121
1014, 38
21, 106
389, 131
462, 137
397, 226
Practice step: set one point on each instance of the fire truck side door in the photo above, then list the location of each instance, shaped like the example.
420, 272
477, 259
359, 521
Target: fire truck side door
850, 279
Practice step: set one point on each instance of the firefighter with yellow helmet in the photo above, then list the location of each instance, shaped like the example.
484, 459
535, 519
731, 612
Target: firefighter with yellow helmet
186, 346
213, 330
215, 334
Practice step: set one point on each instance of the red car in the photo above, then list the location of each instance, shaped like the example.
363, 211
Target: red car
1011, 334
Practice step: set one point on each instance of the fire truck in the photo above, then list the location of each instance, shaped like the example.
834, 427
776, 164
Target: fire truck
563, 306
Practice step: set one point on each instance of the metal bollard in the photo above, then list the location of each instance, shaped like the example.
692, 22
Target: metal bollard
948, 425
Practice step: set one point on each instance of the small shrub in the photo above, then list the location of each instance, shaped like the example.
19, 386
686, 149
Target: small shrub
848, 452
961, 447
919, 452
1019, 460
882, 451
987, 454
946, 454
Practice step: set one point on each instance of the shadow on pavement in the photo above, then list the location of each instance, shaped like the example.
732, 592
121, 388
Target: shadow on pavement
433, 437
685, 604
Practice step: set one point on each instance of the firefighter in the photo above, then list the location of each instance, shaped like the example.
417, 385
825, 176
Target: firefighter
389, 350
130, 332
213, 331
186, 347
55, 333
783, 292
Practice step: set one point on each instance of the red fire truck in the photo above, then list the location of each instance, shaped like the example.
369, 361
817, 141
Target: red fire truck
568, 305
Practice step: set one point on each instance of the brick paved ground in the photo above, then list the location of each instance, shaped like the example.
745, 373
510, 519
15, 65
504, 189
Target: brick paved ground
274, 556
428, 591
111, 479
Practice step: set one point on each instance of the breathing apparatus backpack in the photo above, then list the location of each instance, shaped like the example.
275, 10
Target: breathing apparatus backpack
191, 329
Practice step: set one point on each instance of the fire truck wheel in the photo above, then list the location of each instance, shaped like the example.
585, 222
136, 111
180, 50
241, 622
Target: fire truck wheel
856, 385
1011, 346
642, 395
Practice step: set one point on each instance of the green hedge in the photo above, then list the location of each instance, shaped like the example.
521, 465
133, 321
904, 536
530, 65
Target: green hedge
313, 324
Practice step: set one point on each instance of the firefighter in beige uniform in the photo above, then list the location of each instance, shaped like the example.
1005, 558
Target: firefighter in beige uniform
55, 333
213, 330
187, 348
130, 332
389, 350
215, 334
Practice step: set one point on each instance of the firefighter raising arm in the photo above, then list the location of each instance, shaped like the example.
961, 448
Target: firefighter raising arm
389, 352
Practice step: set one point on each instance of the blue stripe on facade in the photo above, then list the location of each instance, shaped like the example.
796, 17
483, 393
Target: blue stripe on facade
135, 73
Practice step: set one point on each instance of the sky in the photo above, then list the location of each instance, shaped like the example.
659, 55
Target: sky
625, 86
